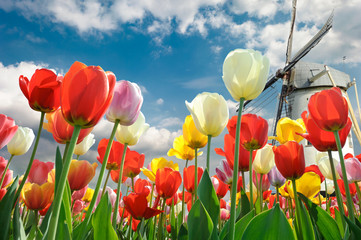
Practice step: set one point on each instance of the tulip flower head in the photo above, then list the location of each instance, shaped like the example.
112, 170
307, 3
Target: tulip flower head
289, 130
353, 170
264, 160
137, 205
8, 175
37, 197
39, 172
130, 134
7, 129
309, 184
188, 177
115, 155
225, 172
254, 132
86, 94
275, 177
167, 182
220, 187
21, 141
329, 109
324, 165
209, 112
245, 73
192, 137
43, 90
84, 146
126, 103
181, 150
158, 163
81, 172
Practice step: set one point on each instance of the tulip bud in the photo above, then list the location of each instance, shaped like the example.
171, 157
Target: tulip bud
21, 141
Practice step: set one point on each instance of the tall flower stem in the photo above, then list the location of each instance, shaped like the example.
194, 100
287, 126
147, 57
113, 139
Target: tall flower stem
66, 149
326, 195
208, 151
278, 194
298, 210
232, 218
183, 195
160, 222
106, 182
337, 189
195, 175
243, 180
58, 196
100, 178
260, 193
250, 179
344, 174
116, 205
4, 172
32, 156
358, 195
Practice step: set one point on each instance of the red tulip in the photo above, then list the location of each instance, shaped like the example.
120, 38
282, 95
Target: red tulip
290, 159
173, 199
142, 186
81, 172
137, 206
8, 175
229, 146
329, 109
43, 90
351, 186
62, 131
39, 171
220, 187
86, 95
323, 140
232, 125
188, 177
167, 182
133, 163
115, 155
254, 132
7, 129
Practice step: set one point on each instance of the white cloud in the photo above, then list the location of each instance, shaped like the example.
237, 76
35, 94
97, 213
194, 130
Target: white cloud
216, 49
202, 83
258, 8
232, 106
160, 101
170, 122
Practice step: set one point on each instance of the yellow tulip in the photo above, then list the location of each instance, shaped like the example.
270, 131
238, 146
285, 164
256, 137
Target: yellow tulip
287, 128
181, 150
88, 195
158, 163
192, 137
245, 73
309, 185
283, 188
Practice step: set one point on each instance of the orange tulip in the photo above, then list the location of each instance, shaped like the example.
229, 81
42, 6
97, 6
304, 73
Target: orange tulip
37, 197
62, 131
115, 155
188, 177
137, 205
80, 173
167, 182
86, 95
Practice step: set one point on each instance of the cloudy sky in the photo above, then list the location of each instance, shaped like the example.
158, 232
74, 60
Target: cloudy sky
172, 49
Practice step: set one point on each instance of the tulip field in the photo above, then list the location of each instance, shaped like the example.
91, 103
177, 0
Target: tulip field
279, 197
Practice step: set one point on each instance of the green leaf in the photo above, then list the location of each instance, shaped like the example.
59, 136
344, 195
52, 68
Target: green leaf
45, 222
271, 224
338, 219
207, 195
66, 207
6, 206
353, 227
200, 225
242, 224
58, 167
18, 228
183, 232
224, 231
78, 230
326, 225
101, 222
244, 207
173, 223
306, 223
32, 233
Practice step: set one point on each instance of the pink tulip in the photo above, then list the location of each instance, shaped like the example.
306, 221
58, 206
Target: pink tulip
265, 182
126, 103
7, 129
225, 215
39, 172
8, 175
225, 172
353, 169
78, 195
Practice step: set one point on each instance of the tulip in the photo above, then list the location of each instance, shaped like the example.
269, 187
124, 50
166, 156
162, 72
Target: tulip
225, 172
88, 195
209, 112
126, 103
86, 95
167, 182
315, 169
290, 160
264, 160
61, 130
111, 194
43, 90
130, 134
352, 187
309, 184
84, 146
115, 155
192, 137
224, 215
289, 130
353, 170
80, 173
6, 175
254, 130
330, 187
133, 163
276, 178
323, 140
137, 206
142, 186
21, 141
39, 172
181, 150
158, 163
220, 187
188, 177
265, 182
37, 197
7, 129
245, 73
79, 194
329, 109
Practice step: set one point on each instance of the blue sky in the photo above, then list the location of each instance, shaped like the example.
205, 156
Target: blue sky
172, 49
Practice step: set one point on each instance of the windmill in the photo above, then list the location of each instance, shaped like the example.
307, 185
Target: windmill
300, 80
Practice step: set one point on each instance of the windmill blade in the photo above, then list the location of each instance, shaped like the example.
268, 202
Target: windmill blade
290, 37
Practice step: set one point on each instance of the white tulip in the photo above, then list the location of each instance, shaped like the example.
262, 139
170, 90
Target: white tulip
21, 141
264, 160
325, 167
84, 146
130, 134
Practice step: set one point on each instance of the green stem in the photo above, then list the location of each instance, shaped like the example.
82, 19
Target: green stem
31, 158
278, 194
118, 186
250, 179
130, 227
122, 218
58, 196
261, 194
160, 223
243, 180
4, 172
208, 151
195, 176
77, 157
100, 178
105, 183
358, 195
337, 189
298, 210
232, 218
182, 196
66, 149
344, 174
327, 207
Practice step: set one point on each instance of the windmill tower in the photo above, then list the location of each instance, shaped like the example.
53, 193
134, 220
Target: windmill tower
300, 80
